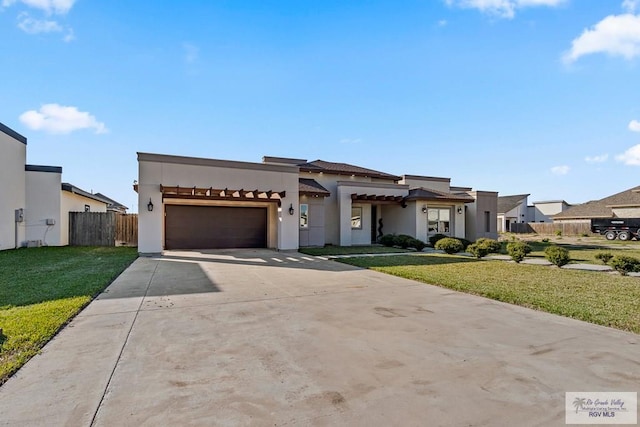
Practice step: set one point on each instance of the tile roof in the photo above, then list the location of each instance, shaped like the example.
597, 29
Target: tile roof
311, 187
344, 169
429, 194
112, 203
506, 203
602, 208
75, 190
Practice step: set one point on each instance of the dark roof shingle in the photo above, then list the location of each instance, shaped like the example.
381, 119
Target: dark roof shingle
506, 203
310, 187
344, 169
602, 208
429, 194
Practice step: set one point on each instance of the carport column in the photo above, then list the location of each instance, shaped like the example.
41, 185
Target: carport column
288, 225
344, 207
150, 223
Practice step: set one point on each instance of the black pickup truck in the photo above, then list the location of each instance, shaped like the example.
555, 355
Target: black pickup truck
621, 228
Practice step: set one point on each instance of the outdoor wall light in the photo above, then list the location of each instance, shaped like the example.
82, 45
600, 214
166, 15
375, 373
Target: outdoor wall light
424, 209
459, 210
291, 211
150, 205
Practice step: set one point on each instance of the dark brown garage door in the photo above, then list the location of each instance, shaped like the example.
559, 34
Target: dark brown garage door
215, 227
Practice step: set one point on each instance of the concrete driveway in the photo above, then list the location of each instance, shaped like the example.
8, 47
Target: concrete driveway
238, 338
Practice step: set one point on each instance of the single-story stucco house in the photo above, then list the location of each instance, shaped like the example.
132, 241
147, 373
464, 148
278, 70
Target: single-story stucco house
34, 209
283, 203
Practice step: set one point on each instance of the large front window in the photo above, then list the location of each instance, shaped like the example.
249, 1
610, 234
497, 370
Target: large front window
439, 221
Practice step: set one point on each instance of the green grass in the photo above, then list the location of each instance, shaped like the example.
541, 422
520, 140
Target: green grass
349, 250
585, 253
601, 298
41, 289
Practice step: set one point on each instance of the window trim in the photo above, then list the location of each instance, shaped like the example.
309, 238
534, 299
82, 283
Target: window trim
356, 208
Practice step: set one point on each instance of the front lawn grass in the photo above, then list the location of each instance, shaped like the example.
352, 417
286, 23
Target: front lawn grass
350, 250
41, 289
584, 253
601, 298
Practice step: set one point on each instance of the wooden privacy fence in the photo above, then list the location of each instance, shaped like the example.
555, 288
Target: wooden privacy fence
567, 229
103, 229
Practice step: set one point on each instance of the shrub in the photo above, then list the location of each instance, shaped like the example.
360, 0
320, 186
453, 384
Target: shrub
449, 245
387, 240
557, 255
625, 264
493, 246
605, 257
477, 250
545, 240
558, 232
434, 239
518, 250
465, 243
403, 240
417, 244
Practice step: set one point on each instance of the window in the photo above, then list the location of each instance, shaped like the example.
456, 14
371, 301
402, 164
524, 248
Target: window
356, 218
439, 221
304, 216
487, 221
87, 208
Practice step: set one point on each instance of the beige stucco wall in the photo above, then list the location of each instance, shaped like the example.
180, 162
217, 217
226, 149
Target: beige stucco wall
344, 191
433, 183
630, 212
43, 201
313, 235
13, 156
485, 201
72, 202
155, 170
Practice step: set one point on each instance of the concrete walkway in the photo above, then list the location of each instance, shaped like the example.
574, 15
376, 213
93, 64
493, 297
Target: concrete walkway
260, 338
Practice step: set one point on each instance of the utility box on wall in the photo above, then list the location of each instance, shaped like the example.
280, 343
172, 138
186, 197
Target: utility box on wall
51, 221
19, 215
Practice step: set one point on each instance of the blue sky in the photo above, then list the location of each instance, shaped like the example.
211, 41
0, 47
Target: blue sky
515, 96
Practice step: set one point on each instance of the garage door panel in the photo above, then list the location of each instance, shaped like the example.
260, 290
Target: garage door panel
215, 227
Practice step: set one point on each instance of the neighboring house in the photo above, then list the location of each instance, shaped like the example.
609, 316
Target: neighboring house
282, 203
511, 210
113, 206
625, 204
35, 206
544, 211
13, 156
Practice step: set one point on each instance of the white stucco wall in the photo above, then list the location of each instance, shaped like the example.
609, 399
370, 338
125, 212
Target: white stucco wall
72, 202
43, 201
314, 234
544, 211
155, 170
13, 156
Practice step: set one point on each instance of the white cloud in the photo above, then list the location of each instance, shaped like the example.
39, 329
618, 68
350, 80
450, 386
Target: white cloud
191, 52
350, 140
560, 170
596, 159
58, 7
630, 157
630, 6
36, 26
634, 126
501, 8
442, 23
54, 118
616, 35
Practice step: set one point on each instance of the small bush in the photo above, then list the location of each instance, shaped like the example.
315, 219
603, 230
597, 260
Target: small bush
465, 243
518, 250
449, 245
387, 240
625, 264
605, 257
493, 246
434, 239
545, 240
558, 233
557, 255
477, 250
403, 240
417, 244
